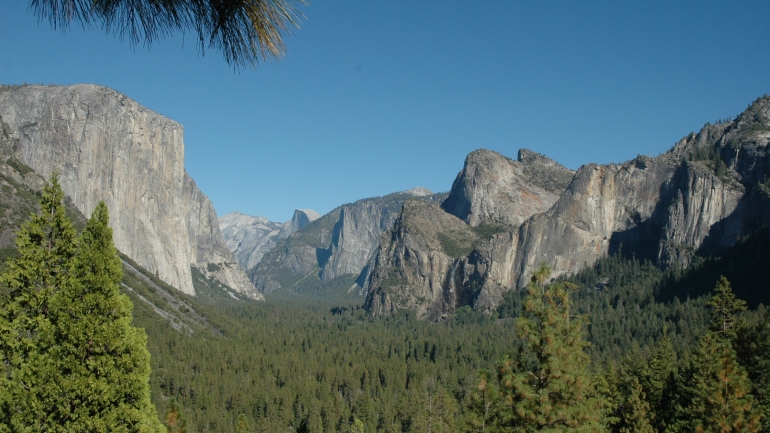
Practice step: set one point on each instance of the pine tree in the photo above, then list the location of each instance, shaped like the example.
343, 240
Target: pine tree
173, 421
46, 245
436, 411
548, 387
72, 361
724, 309
716, 392
631, 410
752, 345
481, 406
102, 360
721, 399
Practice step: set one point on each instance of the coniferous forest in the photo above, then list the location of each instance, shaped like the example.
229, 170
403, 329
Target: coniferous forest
622, 346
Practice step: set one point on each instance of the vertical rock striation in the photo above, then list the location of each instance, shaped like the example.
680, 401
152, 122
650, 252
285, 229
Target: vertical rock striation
108, 147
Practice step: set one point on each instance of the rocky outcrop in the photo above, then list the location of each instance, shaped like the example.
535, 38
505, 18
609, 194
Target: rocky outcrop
249, 238
340, 243
416, 267
107, 147
494, 189
707, 192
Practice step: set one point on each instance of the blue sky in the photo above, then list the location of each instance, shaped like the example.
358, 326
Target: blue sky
381, 96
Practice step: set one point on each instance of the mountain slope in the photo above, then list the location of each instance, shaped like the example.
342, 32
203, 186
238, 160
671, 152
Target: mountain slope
250, 238
107, 147
335, 247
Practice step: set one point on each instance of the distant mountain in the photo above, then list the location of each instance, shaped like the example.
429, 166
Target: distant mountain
107, 147
335, 248
250, 237
709, 191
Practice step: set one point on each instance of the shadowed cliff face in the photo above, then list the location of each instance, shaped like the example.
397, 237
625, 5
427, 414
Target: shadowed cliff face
107, 147
704, 194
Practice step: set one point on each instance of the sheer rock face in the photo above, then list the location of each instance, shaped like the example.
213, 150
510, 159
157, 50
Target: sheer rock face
355, 238
106, 146
249, 238
704, 194
494, 189
414, 268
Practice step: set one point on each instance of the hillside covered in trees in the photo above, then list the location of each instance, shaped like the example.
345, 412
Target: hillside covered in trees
648, 334
621, 346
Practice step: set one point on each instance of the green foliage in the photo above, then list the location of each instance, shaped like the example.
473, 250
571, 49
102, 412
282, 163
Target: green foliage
72, 361
752, 345
481, 404
395, 278
725, 308
488, 230
715, 394
20, 167
455, 244
630, 303
307, 366
173, 421
548, 385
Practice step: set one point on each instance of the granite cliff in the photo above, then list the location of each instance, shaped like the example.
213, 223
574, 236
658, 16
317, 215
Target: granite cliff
333, 248
249, 238
106, 146
706, 193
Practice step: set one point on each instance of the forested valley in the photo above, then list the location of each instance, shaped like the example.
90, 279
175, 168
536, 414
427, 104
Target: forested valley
621, 346
654, 356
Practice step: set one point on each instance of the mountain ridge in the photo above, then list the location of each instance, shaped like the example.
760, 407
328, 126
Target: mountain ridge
705, 193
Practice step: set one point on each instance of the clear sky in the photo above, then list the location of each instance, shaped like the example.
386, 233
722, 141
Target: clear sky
375, 97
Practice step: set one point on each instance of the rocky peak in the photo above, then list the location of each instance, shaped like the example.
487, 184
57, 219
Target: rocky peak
300, 219
703, 195
419, 192
494, 189
248, 237
419, 264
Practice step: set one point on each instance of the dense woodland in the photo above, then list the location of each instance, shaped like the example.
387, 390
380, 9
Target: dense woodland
622, 346
299, 364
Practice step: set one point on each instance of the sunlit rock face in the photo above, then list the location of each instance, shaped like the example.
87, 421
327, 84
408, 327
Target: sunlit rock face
704, 194
106, 146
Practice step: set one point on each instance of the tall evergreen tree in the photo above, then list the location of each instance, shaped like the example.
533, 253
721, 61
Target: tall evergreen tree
724, 308
719, 390
102, 360
481, 406
46, 245
716, 392
548, 387
71, 360
752, 344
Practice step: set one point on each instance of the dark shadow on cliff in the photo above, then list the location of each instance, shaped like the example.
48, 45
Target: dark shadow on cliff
746, 265
642, 241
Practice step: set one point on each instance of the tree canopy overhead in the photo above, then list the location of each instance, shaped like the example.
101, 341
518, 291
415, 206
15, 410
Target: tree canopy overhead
244, 31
